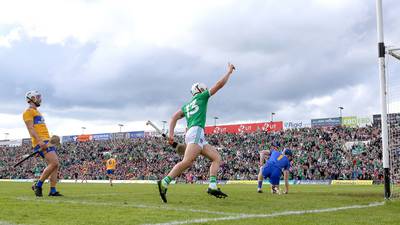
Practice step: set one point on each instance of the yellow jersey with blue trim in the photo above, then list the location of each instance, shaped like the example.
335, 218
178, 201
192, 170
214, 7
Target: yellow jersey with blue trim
111, 163
39, 125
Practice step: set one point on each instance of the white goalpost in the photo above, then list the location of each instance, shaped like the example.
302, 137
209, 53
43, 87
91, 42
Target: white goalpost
390, 112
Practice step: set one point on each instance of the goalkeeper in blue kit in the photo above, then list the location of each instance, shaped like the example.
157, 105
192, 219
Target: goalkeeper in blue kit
278, 162
195, 112
264, 157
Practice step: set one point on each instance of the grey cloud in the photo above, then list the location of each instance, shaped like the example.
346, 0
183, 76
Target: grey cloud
286, 54
30, 65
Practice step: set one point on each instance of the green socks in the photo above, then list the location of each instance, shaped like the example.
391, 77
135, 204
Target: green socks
166, 181
213, 182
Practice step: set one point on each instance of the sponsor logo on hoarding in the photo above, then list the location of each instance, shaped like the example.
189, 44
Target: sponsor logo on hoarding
353, 121
254, 182
241, 182
121, 135
350, 121
98, 137
244, 128
136, 134
84, 137
220, 130
352, 182
71, 138
326, 122
317, 182
104, 136
293, 125
362, 121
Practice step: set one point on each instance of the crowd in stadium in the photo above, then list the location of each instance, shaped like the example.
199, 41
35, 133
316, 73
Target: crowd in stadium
319, 153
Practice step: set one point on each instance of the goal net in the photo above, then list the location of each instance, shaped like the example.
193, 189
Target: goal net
393, 102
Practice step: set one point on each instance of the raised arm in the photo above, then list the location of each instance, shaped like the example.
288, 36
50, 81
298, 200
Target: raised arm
223, 80
177, 116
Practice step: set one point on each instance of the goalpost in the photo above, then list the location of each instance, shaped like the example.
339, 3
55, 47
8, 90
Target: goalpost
390, 112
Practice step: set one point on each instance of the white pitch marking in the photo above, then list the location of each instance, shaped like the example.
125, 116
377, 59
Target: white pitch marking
101, 194
285, 213
2, 222
130, 205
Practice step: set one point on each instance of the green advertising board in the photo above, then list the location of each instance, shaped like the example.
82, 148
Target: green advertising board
349, 121
353, 121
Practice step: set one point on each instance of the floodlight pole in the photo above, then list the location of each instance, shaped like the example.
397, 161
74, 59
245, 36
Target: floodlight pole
163, 127
340, 111
215, 120
120, 127
381, 61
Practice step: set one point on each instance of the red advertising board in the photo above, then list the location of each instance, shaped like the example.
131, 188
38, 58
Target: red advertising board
245, 128
84, 137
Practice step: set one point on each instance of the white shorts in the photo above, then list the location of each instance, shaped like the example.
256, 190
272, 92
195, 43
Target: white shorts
195, 135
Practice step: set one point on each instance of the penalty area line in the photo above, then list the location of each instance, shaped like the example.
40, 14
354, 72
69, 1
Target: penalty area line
284, 213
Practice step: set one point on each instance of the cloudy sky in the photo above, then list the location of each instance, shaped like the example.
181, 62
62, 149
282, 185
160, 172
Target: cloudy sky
101, 63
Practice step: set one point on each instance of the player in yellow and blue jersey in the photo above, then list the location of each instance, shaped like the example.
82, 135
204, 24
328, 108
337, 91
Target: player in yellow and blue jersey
39, 133
111, 164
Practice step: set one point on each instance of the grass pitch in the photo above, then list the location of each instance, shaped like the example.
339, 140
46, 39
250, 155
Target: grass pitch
189, 204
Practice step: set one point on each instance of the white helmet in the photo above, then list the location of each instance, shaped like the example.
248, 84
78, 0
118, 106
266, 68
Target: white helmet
33, 96
198, 88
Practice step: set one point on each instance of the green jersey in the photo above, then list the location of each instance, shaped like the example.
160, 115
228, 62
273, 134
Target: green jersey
196, 110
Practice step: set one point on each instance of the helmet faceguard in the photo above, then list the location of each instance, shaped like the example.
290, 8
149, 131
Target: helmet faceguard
33, 97
198, 88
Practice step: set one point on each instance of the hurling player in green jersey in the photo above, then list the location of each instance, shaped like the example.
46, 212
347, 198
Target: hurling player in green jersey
195, 112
